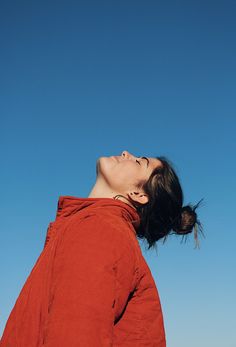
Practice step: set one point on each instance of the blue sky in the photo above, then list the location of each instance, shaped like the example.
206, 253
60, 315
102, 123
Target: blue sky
84, 79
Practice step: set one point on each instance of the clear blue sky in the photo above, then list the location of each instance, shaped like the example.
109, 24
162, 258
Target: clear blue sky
84, 79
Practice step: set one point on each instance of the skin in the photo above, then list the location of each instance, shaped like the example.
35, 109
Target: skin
123, 175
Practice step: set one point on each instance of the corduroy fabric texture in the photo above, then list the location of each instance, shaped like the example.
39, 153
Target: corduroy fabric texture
91, 286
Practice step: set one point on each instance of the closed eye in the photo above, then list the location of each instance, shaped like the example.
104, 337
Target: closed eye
146, 159
138, 162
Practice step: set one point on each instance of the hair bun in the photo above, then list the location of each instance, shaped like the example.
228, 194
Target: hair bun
188, 221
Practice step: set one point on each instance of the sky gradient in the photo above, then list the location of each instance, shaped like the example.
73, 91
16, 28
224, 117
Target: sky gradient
84, 79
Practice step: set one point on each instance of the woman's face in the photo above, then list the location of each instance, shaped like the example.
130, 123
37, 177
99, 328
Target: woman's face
123, 173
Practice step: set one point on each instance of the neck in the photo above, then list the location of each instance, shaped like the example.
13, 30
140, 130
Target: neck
101, 190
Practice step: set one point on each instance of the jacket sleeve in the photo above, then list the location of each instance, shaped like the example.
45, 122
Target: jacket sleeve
94, 274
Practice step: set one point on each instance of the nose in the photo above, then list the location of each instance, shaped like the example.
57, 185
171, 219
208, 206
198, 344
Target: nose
127, 155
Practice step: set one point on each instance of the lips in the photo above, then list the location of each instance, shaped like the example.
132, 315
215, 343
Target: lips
115, 158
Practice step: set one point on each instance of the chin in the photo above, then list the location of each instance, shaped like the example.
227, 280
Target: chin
104, 164
98, 166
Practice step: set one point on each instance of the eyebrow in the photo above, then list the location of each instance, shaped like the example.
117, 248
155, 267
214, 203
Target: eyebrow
146, 159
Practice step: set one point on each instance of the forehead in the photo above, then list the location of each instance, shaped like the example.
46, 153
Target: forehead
154, 162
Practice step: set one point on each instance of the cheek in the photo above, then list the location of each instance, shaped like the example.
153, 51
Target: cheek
125, 176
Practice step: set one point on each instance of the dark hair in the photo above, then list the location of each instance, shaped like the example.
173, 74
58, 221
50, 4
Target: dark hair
164, 214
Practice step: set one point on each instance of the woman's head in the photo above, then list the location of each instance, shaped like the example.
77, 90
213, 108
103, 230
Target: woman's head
151, 185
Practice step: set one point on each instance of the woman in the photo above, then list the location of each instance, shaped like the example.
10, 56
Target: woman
91, 286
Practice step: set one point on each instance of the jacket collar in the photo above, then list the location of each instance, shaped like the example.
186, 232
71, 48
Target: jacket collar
68, 205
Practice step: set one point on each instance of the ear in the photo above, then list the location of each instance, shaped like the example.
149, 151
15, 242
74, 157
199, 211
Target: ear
139, 197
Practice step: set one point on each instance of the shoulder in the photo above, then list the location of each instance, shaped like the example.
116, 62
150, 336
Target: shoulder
102, 229
107, 225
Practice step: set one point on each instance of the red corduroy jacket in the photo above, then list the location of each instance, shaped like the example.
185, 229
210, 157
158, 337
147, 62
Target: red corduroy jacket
91, 286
